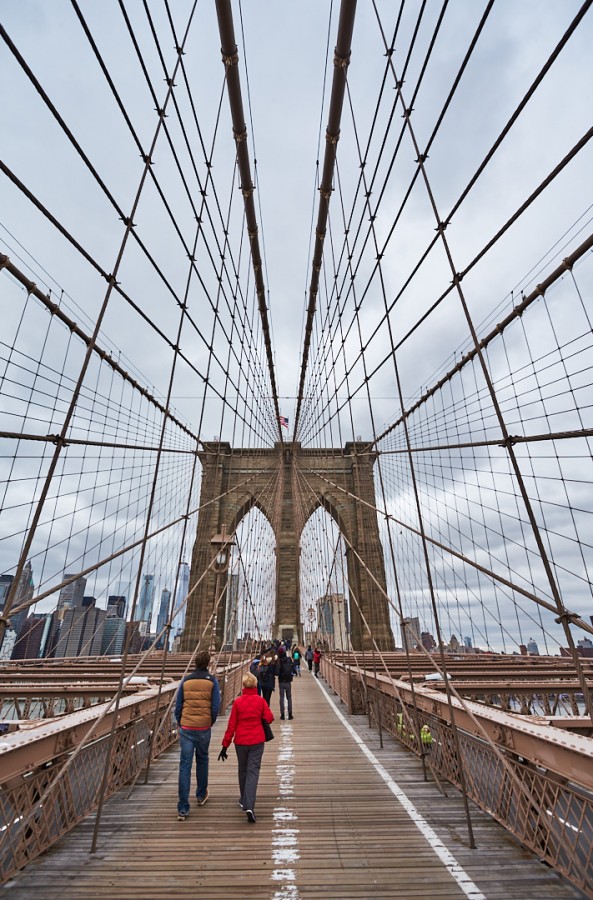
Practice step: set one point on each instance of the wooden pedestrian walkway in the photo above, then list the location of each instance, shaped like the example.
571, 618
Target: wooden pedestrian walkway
329, 825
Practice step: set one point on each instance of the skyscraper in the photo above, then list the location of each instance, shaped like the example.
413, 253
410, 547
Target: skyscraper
82, 632
410, 632
5, 583
32, 638
162, 617
23, 594
72, 594
114, 632
116, 606
182, 589
145, 601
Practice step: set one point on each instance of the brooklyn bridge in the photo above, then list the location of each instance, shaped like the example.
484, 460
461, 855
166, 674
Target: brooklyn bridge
296, 345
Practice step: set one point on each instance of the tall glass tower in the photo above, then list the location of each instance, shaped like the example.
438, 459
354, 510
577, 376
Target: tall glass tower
182, 589
145, 601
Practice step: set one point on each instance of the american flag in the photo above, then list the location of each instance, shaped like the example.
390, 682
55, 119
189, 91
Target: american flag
284, 421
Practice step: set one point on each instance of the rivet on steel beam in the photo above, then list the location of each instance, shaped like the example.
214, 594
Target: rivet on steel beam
231, 60
341, 62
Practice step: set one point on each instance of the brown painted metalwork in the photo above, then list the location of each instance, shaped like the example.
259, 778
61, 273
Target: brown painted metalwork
50, 778
539, 785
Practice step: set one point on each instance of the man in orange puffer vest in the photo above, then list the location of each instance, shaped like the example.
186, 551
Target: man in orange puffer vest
196, 710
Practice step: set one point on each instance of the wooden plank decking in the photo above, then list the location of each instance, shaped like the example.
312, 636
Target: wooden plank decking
327, 826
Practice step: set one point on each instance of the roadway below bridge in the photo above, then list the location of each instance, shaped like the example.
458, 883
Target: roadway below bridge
337, 817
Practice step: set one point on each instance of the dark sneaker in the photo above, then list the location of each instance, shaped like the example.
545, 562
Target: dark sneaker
250, 816
202, 800
291, 717
240, 805
181, 817
282, 716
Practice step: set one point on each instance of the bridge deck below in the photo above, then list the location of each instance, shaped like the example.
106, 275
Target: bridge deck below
328, 826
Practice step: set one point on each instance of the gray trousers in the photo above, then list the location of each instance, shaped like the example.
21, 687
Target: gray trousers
285, 688
249, 757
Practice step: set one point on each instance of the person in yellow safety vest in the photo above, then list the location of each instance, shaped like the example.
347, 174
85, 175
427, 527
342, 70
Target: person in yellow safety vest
426, 737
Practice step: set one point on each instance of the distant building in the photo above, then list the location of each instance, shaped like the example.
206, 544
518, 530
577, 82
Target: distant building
72, 594
114, 633
410, 633
8, 644
332, 621
532, 647
134, 637
116, 606
584, 648
163, 617
182, 589
31, 638
146, 600
82, 632
23, 594
428, 641
467, 641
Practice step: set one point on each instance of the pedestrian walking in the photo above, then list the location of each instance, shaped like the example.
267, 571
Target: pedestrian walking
285, 674
309, 657
196, 710
316, 661
254, 669
267, 673
245, 726
296, 661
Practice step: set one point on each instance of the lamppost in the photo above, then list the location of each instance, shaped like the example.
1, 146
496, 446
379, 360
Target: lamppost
311, 615
222, 543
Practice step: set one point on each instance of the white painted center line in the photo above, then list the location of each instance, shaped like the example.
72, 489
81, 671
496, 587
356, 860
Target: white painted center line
285, 834
453, 867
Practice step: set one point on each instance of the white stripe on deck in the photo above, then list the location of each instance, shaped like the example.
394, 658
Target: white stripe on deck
446, 857
285, 834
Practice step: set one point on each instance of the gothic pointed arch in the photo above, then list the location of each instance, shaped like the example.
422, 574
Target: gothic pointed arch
288, 483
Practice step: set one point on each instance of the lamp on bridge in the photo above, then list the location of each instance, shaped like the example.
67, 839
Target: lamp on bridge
222, 543
311, 616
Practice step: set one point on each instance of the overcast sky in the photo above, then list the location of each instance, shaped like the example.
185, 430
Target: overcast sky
284, 47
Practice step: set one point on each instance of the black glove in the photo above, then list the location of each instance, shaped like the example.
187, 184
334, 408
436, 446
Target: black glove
223, 755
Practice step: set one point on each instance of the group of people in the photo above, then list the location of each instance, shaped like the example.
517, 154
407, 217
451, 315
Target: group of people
197, 707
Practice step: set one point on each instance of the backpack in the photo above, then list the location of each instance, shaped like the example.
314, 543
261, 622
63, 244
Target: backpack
266, 675
285, 669
254, 667
296, 656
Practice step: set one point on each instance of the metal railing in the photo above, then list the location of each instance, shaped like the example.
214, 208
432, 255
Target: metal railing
49, 782
547, 807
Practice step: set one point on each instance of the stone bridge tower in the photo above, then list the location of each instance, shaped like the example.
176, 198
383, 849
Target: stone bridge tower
288, 483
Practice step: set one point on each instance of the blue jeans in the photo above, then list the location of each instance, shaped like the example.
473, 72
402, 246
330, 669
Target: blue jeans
192, 743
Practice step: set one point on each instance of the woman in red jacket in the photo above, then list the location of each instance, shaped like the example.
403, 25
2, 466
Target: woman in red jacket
245, 723
316, 661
